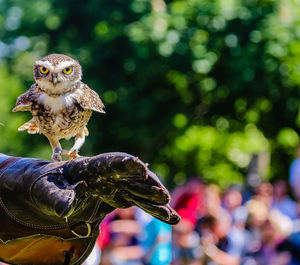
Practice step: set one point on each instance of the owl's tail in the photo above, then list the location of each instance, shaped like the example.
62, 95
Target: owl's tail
30, 126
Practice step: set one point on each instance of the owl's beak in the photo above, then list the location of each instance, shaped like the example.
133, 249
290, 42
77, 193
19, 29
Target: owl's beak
54, 79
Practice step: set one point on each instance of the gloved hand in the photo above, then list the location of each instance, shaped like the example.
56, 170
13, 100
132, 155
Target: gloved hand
57, 207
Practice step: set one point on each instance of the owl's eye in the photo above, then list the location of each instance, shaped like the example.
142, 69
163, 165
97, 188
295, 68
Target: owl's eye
68, 70
44, 70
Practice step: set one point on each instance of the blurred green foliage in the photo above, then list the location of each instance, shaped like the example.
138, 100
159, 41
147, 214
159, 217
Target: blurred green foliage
194, 87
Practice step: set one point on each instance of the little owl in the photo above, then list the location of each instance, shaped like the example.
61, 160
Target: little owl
60, 103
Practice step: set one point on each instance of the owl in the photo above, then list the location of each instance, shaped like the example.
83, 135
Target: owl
61, 105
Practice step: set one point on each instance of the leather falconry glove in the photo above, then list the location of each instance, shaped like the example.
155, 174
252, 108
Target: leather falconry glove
50, 212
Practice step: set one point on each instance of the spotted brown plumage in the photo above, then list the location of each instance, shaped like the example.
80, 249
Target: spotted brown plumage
61, 105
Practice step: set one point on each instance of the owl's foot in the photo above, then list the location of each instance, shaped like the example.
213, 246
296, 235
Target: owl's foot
56, 157
30, 126
73, 154
70, 154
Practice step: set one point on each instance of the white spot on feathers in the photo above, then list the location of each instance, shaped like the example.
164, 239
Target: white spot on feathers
56, 104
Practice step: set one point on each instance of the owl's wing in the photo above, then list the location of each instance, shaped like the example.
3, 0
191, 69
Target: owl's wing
25, 100
89, 99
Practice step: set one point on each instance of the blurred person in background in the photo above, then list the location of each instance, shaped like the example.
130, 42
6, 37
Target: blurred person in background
232, 199
274, 231
292, 246
189, 196
185, 239
187, 232
294, 174
123, 247
220, 243
155, 240
220, 240
257, 216
232, 202
188, 201
266, 229
264, 193
283, 202
212, 201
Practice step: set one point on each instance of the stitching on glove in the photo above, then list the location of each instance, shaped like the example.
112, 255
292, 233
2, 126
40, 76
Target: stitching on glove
96, 208
48, 227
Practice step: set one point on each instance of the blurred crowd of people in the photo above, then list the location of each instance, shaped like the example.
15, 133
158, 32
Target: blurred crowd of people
231, 227
236, 226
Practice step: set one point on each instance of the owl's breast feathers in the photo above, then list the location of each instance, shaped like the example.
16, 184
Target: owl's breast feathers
87, 98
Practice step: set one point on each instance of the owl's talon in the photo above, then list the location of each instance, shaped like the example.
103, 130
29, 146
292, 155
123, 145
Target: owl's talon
73, 154
70, 154
56, 157
71, 157
64, 152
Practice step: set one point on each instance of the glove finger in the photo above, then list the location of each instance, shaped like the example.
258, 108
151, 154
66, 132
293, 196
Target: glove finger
174, 216
162, 212
107, 167
149, 192
149, 189
154, 180
118, 202
129, 167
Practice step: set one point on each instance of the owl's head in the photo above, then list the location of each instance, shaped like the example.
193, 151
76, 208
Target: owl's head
57, 74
